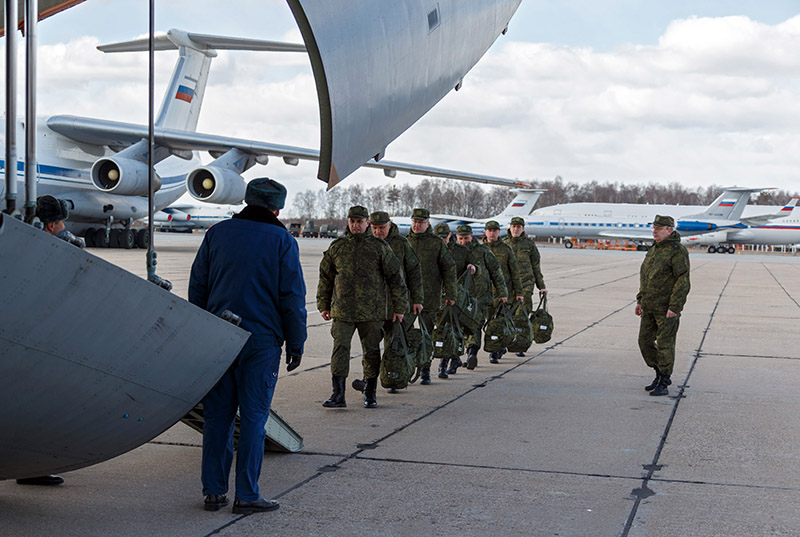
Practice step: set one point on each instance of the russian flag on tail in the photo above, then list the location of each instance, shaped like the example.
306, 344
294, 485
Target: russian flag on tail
518, 204
727, 203
185, 94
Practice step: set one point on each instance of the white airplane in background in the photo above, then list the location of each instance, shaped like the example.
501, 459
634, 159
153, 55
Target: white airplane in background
191, 216
100, 167
728, 219
521, 205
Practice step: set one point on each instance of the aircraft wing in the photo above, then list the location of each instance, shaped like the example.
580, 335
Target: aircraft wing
629, 234
119, 135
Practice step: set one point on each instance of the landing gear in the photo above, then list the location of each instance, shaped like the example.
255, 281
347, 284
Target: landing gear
568, 244
126, 239
712, 249
721, 249
88, 236
101, 240
731, 250
142, 239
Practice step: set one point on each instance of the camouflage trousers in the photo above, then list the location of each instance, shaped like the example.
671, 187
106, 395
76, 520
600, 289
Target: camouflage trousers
370, 333
657, 336
527, 295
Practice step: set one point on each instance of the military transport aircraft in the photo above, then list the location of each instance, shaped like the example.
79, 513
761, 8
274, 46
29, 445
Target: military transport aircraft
100, 167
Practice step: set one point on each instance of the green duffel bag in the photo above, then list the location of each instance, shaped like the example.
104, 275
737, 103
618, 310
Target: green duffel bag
499, 331
421, 342
447, 339
522, 328
469, 315
398, 362
542, 322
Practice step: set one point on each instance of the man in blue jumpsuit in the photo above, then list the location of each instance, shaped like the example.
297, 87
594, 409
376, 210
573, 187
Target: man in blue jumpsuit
249, 265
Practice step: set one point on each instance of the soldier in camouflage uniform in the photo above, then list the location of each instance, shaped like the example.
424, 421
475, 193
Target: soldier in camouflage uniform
354, 275
663, 287
438, 276
463, 260
488, 275
528, 261
508, 263
385, 229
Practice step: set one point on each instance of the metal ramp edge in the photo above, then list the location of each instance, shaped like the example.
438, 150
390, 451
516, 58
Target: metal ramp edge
280, 436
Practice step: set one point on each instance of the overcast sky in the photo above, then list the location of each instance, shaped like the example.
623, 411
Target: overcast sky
700, 92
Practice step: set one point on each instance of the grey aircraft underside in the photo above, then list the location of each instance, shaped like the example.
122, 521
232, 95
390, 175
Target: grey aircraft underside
75, 396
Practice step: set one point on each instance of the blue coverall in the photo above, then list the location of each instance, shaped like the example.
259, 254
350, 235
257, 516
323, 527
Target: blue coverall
249, 265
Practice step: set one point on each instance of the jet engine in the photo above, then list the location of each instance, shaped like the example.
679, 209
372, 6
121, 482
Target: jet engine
216, 185
119, 175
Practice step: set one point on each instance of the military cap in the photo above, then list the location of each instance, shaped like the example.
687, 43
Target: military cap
464, 229
357, 211
379, 218
492, 224
666, 221
442, 229
264, 192
517, 221
420, 214
50, 209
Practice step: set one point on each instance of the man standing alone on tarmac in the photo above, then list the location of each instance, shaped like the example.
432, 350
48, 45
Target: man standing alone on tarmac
663, 287
249, 265
354, 275
528, 261
438, 276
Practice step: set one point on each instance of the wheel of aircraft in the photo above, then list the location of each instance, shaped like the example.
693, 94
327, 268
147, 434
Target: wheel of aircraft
88, 236
142, 238
126, 239
712, 249
567, 244
722, 250
113, 238
100, 239
731, 250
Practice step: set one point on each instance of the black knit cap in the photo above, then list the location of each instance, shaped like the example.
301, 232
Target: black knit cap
50, 209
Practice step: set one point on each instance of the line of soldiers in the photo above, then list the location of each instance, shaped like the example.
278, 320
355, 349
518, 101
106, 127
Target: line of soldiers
373, 276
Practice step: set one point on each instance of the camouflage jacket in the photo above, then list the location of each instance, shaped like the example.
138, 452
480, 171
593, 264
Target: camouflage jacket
508, 262
664, 276
438, 268
489, 273
528, 260
409, 264
354, 275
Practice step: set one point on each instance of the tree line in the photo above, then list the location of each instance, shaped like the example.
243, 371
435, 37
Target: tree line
460, 198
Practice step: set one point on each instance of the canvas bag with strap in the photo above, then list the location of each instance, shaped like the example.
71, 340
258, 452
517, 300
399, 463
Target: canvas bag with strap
542, 322
447, 334
421, 342
499, 332
469, 315
522, 328
398, 363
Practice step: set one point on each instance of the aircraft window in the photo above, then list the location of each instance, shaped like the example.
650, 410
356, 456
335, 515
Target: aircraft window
433, 19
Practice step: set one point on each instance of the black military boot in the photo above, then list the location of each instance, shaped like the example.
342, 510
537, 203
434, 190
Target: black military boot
455, 363
370, 400
425, 376
661, 389
443, 368
472, 357
337, 398
494, 357
650, 387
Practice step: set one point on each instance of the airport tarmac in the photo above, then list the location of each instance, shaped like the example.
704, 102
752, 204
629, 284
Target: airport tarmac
561, 442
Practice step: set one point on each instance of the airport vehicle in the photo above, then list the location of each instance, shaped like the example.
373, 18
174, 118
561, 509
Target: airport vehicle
310, 229
727, 220
328, 231
100, 167
295, 228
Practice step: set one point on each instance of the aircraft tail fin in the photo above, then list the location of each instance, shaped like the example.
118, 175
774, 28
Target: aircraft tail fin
180, 109
762, 219
729, 205
523, 203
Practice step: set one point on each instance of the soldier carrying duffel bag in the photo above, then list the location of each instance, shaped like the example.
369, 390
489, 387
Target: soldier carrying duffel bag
399, 360
542, 322
447, 337
523, 330
499, 332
